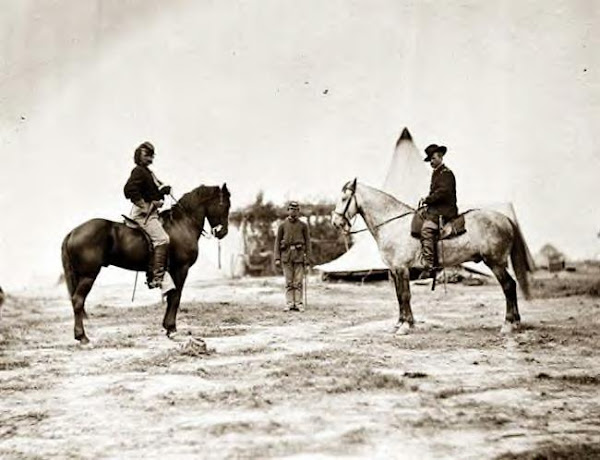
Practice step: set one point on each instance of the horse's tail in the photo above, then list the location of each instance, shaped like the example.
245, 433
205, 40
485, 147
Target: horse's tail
520, 260
70, 275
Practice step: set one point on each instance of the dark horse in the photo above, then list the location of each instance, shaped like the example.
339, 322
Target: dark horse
100, 242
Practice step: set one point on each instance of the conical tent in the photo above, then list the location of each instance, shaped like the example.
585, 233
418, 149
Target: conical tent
407, 179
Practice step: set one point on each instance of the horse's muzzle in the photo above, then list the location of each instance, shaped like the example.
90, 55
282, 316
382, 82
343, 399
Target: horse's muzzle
338, 222
219, 231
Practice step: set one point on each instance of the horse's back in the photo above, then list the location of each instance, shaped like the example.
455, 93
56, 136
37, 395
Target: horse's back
491, 231
106, 242
487, 221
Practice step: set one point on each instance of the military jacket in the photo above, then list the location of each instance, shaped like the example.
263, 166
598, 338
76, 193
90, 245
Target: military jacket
292, 242
441, 200
141, 185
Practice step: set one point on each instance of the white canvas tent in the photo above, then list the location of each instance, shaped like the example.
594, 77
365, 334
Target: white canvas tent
407, 179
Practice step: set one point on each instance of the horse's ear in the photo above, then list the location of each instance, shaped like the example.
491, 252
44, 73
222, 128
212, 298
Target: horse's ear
354, 183
224, 187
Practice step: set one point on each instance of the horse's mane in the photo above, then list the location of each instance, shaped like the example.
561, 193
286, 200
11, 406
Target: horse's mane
199, 195
386, 194
194, 198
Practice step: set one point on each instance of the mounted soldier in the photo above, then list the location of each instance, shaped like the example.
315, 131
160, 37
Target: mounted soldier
146, 193
293, 251
440, 203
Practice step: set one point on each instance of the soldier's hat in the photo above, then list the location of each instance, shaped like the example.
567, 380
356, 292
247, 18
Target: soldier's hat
293, 205
146, 146
140, 148
431, 149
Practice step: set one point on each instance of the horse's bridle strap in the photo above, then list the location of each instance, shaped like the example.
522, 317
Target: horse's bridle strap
343, 215
383, 223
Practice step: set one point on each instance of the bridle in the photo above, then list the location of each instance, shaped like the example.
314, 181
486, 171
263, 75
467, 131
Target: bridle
190, 213
347, 220
343, 213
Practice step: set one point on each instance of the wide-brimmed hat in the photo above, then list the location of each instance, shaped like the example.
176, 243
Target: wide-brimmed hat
431, 149
293, 205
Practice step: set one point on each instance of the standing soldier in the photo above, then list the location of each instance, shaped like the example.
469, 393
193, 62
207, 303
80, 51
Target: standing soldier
292, 249
441, 203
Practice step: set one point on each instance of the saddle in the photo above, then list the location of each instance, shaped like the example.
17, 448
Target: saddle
129, 222
451, 229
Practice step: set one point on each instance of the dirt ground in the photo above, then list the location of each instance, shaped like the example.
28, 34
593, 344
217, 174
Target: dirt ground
330, 382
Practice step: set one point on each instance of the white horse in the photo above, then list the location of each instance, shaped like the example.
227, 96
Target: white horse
491, 237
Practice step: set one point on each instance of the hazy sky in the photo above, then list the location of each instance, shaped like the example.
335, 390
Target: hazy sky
294, 98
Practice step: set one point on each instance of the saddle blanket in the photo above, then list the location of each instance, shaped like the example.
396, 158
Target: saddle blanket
452, 229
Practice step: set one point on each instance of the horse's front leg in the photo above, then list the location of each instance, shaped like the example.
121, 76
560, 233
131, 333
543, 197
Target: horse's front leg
406, 321
173, 299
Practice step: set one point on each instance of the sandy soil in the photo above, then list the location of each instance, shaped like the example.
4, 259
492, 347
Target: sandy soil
327, 383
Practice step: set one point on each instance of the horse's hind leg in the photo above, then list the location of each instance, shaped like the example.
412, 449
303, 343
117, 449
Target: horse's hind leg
84, 285
509, 286
401, 282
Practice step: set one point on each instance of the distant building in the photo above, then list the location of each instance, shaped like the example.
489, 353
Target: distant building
551, 259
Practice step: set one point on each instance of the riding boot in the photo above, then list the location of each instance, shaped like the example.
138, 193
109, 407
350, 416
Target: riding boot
159, 265
428, 237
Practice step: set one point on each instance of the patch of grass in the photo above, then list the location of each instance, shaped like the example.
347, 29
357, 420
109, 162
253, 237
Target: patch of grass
367, 380
556, 452
333, 372
21, 384
448, 393
357, 436
565, 287
6, 365
221, 429
253, 397
10, 424
233, 319
582, 379
415, 375
160, 360
218, 331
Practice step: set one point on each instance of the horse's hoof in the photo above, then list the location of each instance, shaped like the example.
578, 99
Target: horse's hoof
509, 328
171, 334
83, 340
404, 329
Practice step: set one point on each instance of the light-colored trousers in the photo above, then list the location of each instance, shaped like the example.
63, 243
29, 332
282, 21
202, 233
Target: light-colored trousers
294, 276
152, 226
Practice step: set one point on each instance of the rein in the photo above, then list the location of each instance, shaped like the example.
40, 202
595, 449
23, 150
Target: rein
343, 215
383, 223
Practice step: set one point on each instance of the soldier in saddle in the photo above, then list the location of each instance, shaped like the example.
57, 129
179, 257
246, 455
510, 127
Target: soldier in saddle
293, 251
440, 203
147, 193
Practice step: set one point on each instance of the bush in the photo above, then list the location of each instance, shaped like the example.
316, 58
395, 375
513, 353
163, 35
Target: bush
260, 221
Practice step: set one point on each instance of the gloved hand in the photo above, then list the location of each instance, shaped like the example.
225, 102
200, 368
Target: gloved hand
165, 189
277, 263
156, 204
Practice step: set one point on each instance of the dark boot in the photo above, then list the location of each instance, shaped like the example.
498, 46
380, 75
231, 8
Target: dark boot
428, 240
159, 265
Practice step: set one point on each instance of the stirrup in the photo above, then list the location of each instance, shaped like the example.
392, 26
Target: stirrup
155, 284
